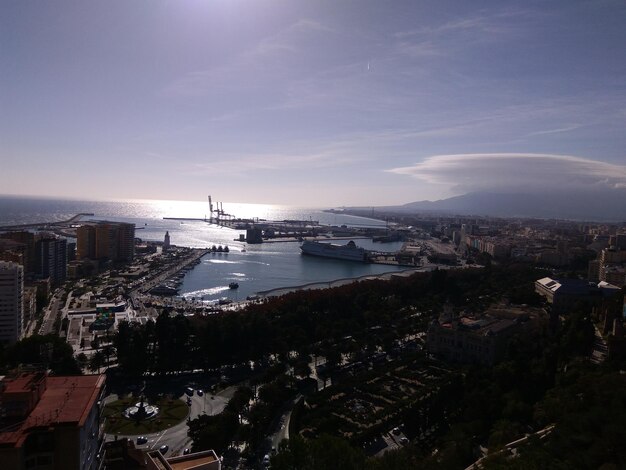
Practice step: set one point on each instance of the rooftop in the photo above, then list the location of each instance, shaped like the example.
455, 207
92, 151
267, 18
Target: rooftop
198, 461
190, 461
66, 400
575, 286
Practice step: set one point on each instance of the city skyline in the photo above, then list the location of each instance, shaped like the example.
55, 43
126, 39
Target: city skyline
311, 103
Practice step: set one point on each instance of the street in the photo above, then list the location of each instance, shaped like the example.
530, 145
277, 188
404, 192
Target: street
176, 437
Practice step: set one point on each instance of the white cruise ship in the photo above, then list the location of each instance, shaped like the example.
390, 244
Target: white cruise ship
349, 252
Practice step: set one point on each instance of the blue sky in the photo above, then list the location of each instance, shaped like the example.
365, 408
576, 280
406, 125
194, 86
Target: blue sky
310, 102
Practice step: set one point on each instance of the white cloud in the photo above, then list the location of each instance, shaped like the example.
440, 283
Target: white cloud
247, 164
515, 171
269, 56
418, 49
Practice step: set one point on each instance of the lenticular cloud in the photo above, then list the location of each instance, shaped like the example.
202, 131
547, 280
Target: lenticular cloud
474, 172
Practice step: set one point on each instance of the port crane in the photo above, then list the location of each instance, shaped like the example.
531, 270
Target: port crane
218, 211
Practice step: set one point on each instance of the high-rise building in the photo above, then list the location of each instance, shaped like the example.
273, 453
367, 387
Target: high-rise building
27, 240
125, 242
11, 301
106, 241
166, 240
114, 241
51, 256
50, 422
86, 242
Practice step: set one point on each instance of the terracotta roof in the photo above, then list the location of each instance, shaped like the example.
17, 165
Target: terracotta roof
66, 401
23, 382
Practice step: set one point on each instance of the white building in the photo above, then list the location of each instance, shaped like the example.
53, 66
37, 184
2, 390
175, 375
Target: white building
11, 301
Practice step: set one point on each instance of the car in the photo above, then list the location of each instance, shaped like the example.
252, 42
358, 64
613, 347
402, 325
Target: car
396, 431
189, 391
199, 392
266, 460
404, 441
186, 451
142, 440
163, 449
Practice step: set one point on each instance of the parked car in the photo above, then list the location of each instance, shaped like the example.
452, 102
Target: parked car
186, 451
189, 391
163, 449
199, 392
142, 440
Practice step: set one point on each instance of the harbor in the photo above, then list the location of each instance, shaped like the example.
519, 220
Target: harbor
274, 263
259, 230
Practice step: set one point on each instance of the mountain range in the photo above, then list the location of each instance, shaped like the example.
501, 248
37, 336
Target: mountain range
600, 205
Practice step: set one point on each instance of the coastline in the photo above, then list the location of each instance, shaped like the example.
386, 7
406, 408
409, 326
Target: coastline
386, 276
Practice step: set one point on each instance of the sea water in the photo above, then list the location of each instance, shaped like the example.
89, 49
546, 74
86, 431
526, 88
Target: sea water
255, 268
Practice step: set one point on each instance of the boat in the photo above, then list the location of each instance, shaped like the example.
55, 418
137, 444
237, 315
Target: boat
392, 237
349, 252
233, 285
164, 290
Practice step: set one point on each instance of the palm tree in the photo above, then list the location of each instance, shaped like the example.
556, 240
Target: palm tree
82, 360
95, 343
108, 351
96, 361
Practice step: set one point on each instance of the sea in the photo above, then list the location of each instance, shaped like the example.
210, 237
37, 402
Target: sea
256, 268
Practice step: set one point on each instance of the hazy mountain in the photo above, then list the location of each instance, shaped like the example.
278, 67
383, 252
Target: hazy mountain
582, 205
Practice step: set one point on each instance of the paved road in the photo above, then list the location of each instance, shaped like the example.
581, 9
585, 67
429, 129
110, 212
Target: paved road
282, 431
50, 315
176, 437
600, 348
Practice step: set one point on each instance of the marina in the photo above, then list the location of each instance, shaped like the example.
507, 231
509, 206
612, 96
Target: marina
275, 263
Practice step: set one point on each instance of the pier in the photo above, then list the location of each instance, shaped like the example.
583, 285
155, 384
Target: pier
60, 223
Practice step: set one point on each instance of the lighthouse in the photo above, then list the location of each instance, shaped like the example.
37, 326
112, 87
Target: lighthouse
166, 241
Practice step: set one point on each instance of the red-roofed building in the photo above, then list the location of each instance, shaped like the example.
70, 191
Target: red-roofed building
50, 422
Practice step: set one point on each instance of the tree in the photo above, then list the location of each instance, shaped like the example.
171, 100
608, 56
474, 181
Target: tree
213, 432
49, 350
302, 368
324, 452
82, 360
96, 361
108, 351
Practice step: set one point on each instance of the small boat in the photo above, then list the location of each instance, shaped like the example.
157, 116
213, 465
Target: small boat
233, 285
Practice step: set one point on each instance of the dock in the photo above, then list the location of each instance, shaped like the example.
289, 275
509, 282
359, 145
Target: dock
60, 223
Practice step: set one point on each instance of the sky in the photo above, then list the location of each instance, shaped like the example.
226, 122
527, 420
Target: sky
317, 103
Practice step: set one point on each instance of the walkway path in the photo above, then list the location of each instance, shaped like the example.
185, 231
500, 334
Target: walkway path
600, 348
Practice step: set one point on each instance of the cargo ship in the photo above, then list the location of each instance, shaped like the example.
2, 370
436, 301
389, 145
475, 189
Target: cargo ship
349, 252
